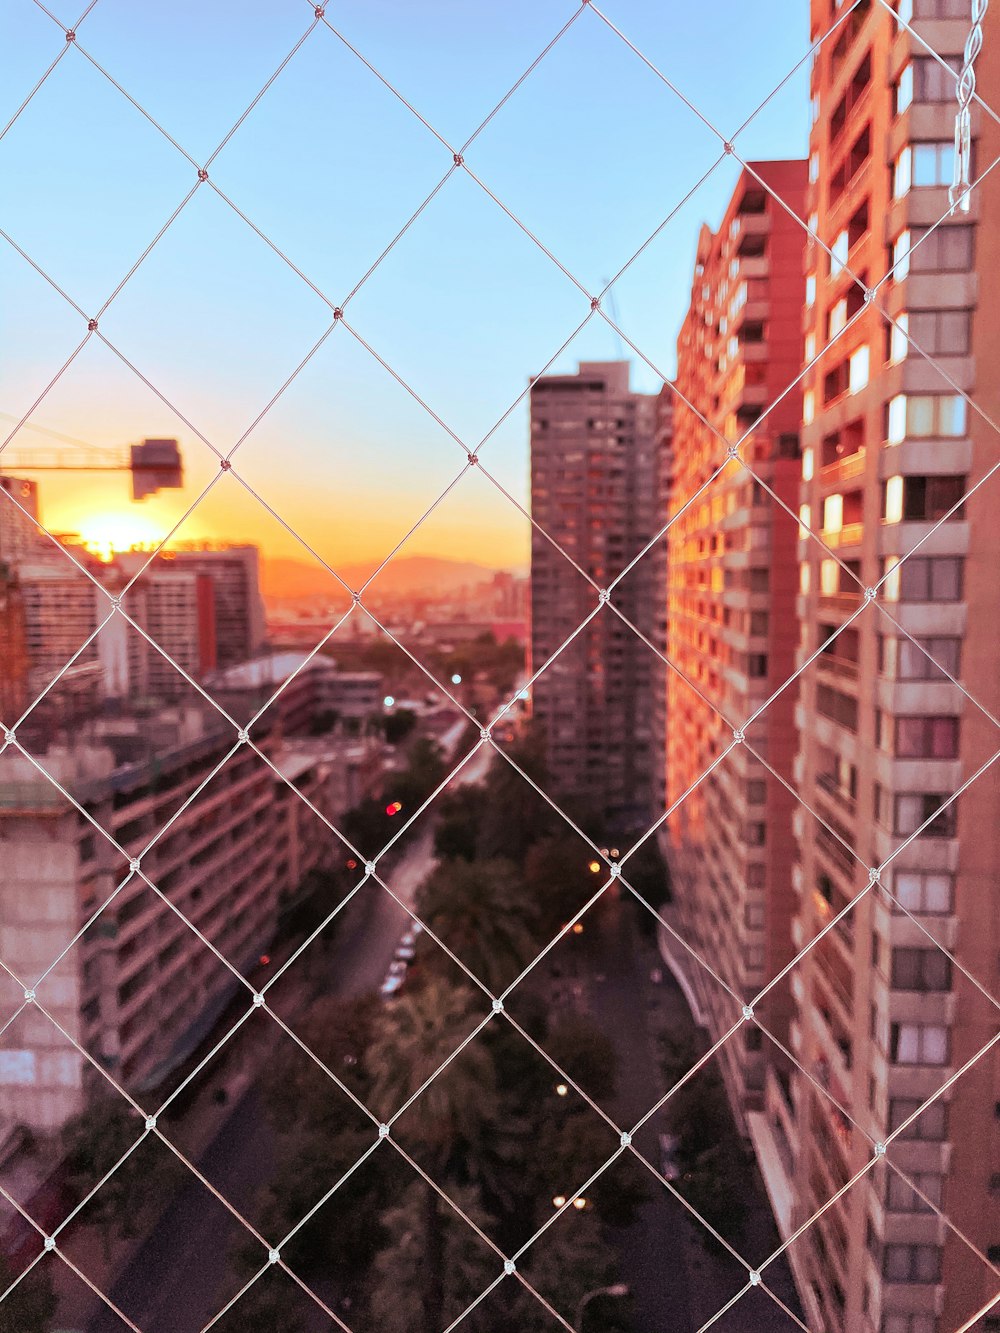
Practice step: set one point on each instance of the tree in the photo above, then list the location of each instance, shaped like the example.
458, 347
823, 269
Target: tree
31, 1306
557, 874
425, 769
581, 1049
399, 725
514, 815
421, 1224
480, 911
94, 1142
448, 1120
457, 830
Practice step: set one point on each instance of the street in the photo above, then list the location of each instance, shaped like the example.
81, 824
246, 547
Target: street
180, 1276
677, 1284
177, 1279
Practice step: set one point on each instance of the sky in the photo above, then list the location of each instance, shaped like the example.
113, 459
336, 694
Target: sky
591, 153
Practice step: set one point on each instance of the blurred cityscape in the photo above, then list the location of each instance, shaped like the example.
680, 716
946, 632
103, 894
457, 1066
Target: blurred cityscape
628, 910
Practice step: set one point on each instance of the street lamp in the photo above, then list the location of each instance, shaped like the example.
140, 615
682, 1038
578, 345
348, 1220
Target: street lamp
618, 1289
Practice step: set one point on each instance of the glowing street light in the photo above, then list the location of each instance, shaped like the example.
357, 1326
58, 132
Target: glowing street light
580, 1203
558, 1201
388, 701
594, 867
456, 679
561, 1089
577, 927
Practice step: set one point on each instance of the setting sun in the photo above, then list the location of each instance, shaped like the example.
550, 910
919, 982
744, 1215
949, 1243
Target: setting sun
106, 533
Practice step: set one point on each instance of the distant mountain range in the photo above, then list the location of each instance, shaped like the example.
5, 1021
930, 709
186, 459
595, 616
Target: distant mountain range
402, 577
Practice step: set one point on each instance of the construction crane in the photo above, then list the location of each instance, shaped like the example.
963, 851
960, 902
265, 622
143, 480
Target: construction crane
154, 465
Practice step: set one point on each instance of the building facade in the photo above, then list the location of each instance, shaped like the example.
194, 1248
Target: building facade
882, 1018
594, 490
139, 988
730, 611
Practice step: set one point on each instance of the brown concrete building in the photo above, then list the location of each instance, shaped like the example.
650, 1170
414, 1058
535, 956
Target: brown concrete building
730, 609
594, 490
883, 1018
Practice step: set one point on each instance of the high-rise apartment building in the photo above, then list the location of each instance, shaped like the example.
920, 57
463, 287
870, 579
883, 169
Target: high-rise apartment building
730, 610
139, 989
884, 1020
240, 629
594, 490
20, 536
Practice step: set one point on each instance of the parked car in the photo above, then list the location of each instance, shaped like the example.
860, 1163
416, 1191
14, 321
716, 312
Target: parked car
405, 952
669, 1165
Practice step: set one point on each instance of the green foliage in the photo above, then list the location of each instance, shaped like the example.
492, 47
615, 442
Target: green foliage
31, 1306
418, 1034
515, 817
434, 1265
96, 1141
581, 1049
399, 725
425, 769
557, 877
714, 1177
479, 909
457, 830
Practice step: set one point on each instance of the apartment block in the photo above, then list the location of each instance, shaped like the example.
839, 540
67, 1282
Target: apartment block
883, 1019
594, 491
730, 611
139, 989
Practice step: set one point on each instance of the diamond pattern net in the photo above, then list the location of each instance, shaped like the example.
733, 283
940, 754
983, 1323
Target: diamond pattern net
459, 158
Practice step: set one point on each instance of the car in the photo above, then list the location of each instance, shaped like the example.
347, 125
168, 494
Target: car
397, 968
409, 939
405, 952
391, 985
669, 1166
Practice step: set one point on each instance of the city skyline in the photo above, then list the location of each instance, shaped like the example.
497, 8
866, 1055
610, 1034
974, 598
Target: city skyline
634, 905
350, 421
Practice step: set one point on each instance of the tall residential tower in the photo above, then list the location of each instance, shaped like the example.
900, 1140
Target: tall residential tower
595, 480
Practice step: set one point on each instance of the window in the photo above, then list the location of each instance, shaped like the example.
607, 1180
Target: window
924, 579
932, 81
920, 969
930, 1126
923, 892
927, 737
901, 255
899, 341
947, 249
926, 659
901, 1197
911, 1263
918, 1043
903, 90
925, 416
941, 332
916, 809
909, 1323
923, 499
902, 173
811, 289
808, 407
858, 372
838, 254
933, 163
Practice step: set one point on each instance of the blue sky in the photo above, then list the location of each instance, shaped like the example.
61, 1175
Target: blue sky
591, 153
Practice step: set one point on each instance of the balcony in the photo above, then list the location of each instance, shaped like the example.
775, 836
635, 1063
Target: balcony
851, 534
844, 469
